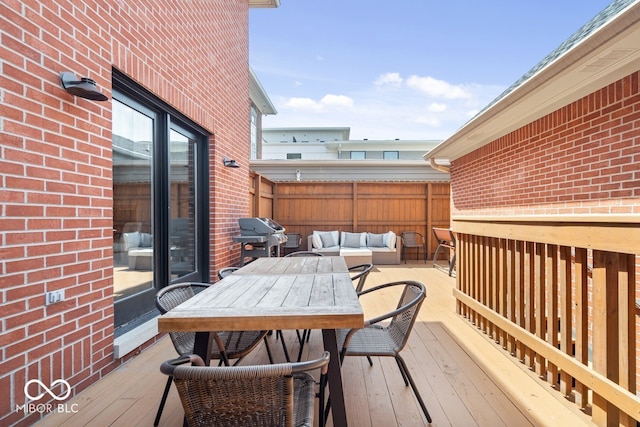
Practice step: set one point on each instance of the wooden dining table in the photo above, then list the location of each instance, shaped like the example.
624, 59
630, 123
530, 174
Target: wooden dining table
277, 294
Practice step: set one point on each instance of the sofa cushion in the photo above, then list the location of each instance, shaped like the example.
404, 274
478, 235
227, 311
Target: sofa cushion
390, 239
316, 241
327, 240
376, 240
353, 240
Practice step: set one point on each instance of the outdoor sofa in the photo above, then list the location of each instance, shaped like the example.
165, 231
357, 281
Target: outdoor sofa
357, 248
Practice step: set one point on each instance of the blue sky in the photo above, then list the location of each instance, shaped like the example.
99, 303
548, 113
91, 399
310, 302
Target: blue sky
408, 69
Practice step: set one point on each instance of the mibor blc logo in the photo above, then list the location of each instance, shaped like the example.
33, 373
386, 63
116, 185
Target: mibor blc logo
35, 390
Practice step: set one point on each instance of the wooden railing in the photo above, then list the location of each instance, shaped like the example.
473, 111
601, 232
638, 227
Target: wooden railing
559, 296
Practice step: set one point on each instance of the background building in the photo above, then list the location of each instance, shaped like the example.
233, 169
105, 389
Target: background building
333, 143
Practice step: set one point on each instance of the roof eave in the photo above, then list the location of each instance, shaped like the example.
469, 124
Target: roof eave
264, 3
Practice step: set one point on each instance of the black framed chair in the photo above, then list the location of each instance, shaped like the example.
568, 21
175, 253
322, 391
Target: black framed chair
293, 243
303, 254
224, 272
263, 395
388, 339
361, 273
413, 240
225, 346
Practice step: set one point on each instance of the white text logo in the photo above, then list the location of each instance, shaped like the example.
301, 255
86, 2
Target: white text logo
66, 390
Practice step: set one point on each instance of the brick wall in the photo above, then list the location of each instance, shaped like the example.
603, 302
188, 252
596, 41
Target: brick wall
580, 159
55, 165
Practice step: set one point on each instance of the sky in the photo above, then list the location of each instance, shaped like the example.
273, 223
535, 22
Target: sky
407, 69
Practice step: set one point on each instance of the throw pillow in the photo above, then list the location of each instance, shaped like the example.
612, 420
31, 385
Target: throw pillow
327, 240
351, 240
376, 240
316, 241
390, 239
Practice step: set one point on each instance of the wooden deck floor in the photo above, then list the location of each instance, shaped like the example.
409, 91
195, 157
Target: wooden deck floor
465, 380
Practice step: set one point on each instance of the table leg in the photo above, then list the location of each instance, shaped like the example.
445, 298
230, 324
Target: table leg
334, 377
201, 347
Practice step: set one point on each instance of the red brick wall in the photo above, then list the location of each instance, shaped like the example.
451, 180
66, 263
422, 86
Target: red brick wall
55, 164
580, 159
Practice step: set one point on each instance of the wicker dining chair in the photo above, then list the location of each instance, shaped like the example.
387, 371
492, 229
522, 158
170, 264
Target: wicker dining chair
413, 240
224, 272
362, 271
226, 346
263, 395
303, 254
390, 338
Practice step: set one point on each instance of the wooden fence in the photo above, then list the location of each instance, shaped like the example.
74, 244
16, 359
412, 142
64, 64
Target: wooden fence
375, 207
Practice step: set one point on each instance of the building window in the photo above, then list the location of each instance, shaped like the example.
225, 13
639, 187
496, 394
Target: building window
159, 201
357, 155
390, 155
294, 155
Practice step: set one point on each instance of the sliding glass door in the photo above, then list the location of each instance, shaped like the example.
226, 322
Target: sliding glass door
159, 204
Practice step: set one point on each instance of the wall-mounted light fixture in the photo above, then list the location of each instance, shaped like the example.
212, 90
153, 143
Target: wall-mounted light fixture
230, 163
84, 88
297, 174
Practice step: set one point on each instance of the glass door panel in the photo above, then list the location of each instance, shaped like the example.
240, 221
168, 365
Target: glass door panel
182, 229
132, 201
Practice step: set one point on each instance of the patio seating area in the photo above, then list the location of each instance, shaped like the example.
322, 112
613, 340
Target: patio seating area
464, 378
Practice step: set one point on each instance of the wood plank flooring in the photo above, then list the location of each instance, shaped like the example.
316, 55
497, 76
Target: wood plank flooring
464, 378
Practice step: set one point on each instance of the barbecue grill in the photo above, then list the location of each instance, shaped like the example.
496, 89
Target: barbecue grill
259, 237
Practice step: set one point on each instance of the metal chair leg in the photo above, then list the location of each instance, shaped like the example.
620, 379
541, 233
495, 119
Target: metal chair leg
165, 394
405, 372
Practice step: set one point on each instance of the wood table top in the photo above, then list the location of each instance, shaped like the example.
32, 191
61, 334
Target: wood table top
273, 293
296, 265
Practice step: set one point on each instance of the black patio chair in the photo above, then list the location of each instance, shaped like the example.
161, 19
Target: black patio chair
413, 240
225, 346
224, 272
388, 339
362, 272
303, 254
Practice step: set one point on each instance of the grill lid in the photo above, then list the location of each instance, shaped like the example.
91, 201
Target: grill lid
259, 226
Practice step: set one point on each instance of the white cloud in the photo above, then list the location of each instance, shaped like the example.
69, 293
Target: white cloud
336, 100
392, 79
436, 107
388, 108
304, 104
438, 88
327, 101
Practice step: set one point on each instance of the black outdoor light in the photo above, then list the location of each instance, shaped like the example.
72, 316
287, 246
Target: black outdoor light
84, 88
230, 163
